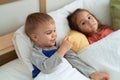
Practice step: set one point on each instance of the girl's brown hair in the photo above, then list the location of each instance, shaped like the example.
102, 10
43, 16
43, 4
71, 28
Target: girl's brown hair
36, 20
72, 19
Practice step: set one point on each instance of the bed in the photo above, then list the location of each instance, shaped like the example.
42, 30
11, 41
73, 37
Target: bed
103, 55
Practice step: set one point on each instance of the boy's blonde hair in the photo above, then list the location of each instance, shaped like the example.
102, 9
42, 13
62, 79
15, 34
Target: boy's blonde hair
36, 20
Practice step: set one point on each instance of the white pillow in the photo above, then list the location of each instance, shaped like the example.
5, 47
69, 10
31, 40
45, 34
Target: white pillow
100, 9
23, 46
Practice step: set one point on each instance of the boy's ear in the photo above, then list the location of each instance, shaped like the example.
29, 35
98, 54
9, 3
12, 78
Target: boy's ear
33, 37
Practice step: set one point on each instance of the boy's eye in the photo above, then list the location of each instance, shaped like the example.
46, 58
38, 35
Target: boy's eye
54, 30
48, 33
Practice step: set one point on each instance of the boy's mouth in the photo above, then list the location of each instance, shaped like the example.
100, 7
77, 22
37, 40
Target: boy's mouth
53, 40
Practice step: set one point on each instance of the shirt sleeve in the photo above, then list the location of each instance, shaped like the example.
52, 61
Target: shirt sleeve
77, 63
100, 35
44, 63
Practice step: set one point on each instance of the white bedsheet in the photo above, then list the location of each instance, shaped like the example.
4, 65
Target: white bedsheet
16, 70
104, 55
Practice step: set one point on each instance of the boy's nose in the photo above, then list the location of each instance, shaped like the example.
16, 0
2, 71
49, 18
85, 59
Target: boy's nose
54, 35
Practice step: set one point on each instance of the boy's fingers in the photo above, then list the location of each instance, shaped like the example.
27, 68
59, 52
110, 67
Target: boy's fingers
65, 38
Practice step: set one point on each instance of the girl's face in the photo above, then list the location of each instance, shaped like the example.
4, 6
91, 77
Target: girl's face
45, 36
86, 22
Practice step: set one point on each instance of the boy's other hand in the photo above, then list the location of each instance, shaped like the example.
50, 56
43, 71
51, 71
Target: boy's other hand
100, 76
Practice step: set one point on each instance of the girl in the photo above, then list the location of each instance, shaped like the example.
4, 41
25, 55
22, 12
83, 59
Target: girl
85, 22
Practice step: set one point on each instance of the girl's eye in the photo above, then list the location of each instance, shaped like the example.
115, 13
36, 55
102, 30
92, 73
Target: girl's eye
83, 23
89, 17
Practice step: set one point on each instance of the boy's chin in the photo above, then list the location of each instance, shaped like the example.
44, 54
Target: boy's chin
53, 44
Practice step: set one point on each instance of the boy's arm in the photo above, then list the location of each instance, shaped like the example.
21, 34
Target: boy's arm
77, 63
44, 63
84, 68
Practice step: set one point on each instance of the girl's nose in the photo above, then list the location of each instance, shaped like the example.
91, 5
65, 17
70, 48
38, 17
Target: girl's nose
90, 21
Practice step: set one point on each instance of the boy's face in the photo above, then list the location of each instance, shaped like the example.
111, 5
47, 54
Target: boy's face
86, 22
45, 36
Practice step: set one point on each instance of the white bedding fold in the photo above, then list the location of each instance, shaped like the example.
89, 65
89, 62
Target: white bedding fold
64, 71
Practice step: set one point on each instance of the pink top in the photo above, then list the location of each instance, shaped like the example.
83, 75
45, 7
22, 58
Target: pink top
103, 33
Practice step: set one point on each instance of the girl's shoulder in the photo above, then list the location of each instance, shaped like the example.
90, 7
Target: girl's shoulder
106, 27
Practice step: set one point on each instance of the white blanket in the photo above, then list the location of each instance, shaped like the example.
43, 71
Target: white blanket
104, 55
64, 71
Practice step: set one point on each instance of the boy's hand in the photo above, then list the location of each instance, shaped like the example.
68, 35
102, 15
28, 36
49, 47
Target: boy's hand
64, 47
66, 44
100, 76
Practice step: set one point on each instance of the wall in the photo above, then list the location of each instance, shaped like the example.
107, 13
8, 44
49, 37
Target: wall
13, 15
55, 4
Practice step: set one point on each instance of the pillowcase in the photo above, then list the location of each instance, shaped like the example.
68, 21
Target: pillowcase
23, 44
78, 40
115, 13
